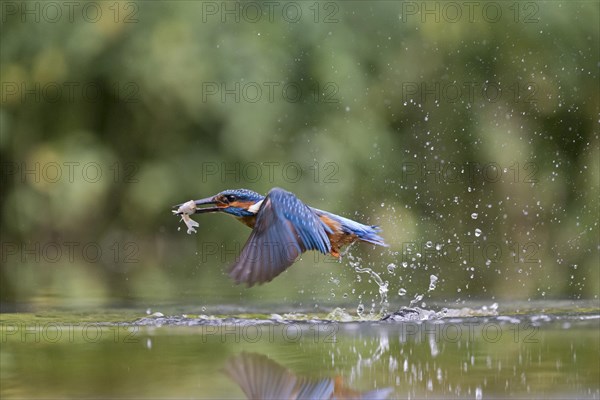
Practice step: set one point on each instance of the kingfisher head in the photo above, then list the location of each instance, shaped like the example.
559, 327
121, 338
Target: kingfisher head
237, 202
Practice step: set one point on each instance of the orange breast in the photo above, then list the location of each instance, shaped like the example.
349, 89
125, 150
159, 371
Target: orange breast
248, 221
338, 238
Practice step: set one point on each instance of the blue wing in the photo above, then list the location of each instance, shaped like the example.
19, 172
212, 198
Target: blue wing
285, 228
259, 377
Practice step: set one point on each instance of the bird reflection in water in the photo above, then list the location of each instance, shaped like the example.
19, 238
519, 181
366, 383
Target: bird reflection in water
259, 377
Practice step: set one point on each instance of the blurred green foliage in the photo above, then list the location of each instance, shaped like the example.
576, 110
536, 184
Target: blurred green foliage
477, 139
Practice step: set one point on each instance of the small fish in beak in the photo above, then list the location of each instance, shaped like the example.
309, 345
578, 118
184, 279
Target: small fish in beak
185, 210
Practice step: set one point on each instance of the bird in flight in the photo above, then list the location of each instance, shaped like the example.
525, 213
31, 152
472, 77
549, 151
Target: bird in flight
283, 227
259, 377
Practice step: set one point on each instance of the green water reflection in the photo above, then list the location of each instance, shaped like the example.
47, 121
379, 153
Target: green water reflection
519, 355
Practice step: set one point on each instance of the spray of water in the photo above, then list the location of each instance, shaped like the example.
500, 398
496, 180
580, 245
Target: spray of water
383, 286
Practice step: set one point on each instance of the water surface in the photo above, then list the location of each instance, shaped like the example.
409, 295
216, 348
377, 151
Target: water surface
545, 350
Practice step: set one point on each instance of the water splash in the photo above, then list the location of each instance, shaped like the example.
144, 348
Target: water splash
417, 298
360, 309
339, 315
421, 314
392, 268
383, 286
432, 282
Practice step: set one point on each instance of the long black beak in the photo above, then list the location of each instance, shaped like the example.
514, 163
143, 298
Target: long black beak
201, 202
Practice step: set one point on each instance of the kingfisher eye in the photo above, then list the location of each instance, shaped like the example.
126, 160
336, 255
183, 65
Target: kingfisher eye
230, 198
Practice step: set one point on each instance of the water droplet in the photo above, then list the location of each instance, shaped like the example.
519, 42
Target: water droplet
391, 267
360, 309
432, 282
416, 300
474, 215
383, 289
334, 280
477, 232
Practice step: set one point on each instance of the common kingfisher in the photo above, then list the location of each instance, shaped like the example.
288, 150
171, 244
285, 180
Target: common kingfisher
259, 377
283, 227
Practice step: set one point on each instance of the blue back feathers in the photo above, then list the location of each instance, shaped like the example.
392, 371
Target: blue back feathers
284, 228
311, 231
367, 233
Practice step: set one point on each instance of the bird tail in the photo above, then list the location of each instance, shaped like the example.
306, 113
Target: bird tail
366, 233
370, 235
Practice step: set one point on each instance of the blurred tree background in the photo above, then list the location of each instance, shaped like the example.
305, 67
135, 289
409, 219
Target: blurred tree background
471, 138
